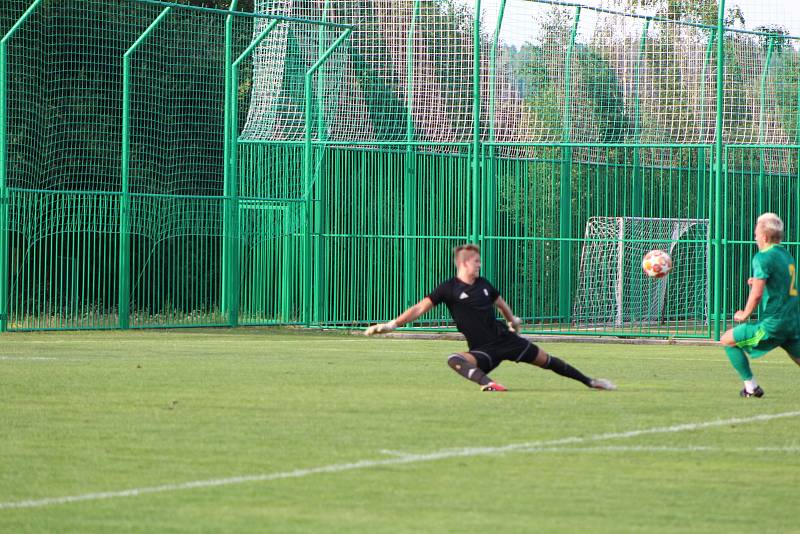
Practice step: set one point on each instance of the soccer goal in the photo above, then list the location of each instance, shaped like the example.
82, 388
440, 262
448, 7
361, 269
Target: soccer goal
612, 288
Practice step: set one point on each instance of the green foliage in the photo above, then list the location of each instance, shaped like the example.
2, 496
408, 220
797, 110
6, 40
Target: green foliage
388, 115
241, 5
459, 14
66, 95
778, 37
787, 89
606, 96
700, 11
10, 12
539, 90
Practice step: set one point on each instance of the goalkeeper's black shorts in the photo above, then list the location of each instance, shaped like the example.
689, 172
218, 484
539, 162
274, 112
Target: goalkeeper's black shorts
510, 347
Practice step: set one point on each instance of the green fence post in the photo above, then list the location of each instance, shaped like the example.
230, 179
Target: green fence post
4, 193
320, 210
410, 174
229, 167
4, 196
797, 151
637, 194
125, 199
489, 259
719, 247
702, 186
476, 124
308, 177
703, 209
762, 97
565, 194
232, 184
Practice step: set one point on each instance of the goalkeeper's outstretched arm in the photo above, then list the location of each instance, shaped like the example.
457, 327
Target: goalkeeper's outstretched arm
514, 322
420, 308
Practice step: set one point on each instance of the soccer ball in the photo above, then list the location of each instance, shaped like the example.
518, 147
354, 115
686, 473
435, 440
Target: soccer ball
656, 264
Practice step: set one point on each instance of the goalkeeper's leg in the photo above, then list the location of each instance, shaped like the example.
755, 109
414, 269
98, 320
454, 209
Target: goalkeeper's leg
560, 367
466, 365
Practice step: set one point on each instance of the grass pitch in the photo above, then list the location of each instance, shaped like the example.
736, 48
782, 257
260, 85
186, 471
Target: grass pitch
281, 431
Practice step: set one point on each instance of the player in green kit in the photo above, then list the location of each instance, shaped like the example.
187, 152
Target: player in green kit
773, 283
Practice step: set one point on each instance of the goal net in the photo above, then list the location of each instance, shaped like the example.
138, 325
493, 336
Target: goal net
612, 288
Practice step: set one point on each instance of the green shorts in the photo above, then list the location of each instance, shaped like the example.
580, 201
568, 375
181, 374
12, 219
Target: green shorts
755, 341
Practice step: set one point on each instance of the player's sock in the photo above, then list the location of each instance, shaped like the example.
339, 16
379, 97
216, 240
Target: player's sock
467, 369
562, 368
740, 362
750, 385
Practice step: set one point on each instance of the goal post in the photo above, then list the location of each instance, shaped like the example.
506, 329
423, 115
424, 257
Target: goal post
612, 289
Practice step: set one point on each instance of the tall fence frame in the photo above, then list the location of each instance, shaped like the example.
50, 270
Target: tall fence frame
229, 287
477, 172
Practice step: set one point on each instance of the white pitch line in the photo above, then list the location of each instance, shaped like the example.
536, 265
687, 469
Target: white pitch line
532, 446
400, 454
27, 358
659, 448
761, 361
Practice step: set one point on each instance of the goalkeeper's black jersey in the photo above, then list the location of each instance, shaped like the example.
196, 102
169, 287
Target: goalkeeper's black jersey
472, 308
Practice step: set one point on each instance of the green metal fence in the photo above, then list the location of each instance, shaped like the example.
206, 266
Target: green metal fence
313, 163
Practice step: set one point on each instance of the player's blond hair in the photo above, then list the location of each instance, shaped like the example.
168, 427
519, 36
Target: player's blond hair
461, 251
772, 226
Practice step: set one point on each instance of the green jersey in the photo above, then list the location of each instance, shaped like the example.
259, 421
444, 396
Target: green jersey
780, 305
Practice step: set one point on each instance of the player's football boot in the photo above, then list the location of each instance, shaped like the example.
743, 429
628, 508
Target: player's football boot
758, 392
602, 383
494, 386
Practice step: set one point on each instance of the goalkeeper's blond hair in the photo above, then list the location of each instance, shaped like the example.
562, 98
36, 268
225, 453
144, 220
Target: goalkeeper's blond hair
462, 251
772, 226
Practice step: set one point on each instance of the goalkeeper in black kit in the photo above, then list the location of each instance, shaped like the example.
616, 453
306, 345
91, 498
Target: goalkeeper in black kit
470, 299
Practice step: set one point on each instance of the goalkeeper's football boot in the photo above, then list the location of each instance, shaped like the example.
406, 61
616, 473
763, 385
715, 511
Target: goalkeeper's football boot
602, 383
494, 386
758, 392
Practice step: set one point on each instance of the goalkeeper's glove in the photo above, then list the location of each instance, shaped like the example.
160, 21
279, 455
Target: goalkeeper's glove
380, 328
514, 324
